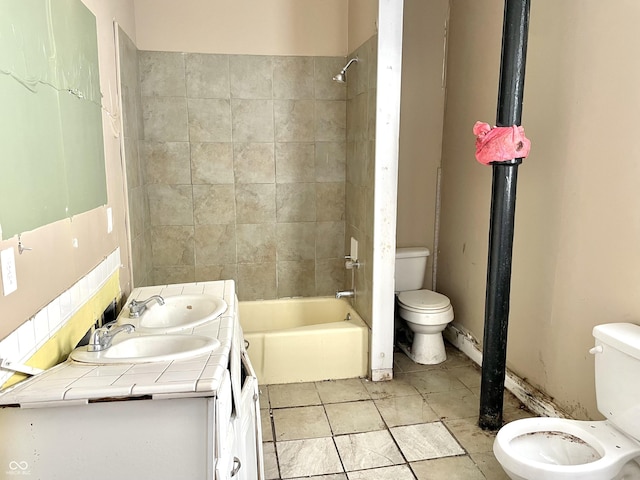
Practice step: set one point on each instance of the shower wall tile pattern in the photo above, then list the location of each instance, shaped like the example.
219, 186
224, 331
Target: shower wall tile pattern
359, 185
244, 161
133, 130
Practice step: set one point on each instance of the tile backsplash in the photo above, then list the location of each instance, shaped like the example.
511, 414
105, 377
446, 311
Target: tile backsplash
23, 343
243, 159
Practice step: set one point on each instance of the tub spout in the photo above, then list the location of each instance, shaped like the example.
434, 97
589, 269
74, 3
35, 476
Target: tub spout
346, 294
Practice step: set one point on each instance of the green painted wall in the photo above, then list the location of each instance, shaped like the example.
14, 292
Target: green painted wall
51, 145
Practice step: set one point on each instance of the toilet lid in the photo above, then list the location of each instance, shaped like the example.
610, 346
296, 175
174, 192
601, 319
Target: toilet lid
424, 300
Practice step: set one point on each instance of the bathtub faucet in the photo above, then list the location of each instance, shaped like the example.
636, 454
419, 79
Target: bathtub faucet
346, 294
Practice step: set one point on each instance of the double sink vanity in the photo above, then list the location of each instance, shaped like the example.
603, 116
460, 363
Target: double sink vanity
166, 392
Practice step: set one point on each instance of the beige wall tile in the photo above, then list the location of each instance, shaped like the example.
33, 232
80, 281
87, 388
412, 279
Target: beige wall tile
137, 210
165, 119
295, 162
330, 276
357, 119
296, 241
166, 162
209, 120
293, 77
172, 245
170, 204
331, 120
215, 244
254, 162
296, 202
162, 74
330, 162
173, 274
251, 76
330, 201
294, 120
296, 278
133, 165
138, 253
252, 120
214, 204
248, 148
205, 273
255, 203
207, 75
256, 281
330, 240
211, 163
256, 243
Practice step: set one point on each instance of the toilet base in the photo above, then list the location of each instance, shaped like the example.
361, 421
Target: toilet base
426, 349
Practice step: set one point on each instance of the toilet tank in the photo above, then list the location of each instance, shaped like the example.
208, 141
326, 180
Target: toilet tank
617, 375
411, 264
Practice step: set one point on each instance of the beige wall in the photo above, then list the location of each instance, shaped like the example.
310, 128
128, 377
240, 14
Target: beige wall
576, 262
276, 27
421, 118
54, 264
363, 22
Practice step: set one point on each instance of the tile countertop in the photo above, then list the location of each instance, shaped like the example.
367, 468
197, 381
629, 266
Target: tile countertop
196, 376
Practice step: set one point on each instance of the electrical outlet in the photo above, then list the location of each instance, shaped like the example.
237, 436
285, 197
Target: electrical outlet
9, 277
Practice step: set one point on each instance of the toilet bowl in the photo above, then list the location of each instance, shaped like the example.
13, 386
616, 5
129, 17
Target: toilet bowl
556, 448
426, 314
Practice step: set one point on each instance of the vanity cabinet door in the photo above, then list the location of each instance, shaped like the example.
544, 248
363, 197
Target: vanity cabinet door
225, 462
248, 427
224, 432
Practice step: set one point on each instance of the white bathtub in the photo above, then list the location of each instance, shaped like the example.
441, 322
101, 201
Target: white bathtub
305, 339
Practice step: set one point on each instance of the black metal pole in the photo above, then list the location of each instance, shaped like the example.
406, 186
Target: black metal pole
503, 204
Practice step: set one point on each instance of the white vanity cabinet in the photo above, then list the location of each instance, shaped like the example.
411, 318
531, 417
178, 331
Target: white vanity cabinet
192, 419
191, 438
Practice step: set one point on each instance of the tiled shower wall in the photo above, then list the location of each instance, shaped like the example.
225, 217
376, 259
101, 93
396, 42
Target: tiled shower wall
244, 160
361, 148
139, 224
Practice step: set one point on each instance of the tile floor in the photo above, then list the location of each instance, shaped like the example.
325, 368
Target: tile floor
421, 425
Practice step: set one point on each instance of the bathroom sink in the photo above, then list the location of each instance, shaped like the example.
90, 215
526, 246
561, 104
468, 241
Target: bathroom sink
149, 348
180, 312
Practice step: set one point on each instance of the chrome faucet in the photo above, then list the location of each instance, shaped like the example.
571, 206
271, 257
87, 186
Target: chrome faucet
137, 308
101, 338
346, 294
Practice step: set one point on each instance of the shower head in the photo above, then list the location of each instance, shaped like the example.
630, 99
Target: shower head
342, 76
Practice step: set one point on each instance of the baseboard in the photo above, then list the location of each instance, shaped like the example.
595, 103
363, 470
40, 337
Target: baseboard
531, 398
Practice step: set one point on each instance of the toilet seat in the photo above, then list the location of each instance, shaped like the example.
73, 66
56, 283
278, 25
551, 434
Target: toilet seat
612, 449
424, 301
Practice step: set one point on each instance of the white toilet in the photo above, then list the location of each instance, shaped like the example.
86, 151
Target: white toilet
426, 313
556, 448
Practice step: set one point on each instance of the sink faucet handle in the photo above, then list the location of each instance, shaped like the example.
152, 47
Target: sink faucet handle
136, 308
102, 337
